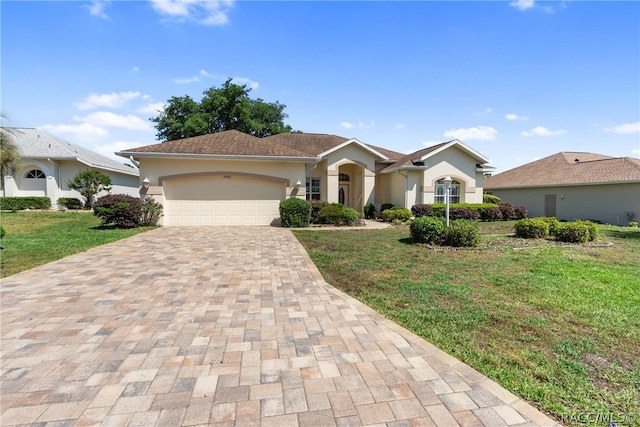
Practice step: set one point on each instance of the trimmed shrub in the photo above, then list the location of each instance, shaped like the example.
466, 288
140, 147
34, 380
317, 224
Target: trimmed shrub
295, 212
422, 210
553, 223
490, 198
350, 217
507, 210
386, 206
520, 212
427, 230
462, 213
151, 212
439, 208
462, 233
573, 232
316, 206
531, 228
491, 214
396, 213
369, 211
70, 203
22, 203
592, 227
121, 210
331, 214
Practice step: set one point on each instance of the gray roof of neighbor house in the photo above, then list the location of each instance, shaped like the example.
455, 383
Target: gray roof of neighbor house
37, 144
568, 168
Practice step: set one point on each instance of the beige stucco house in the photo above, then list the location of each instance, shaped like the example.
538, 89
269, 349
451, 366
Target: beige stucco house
235, 178
570, 185
49, 162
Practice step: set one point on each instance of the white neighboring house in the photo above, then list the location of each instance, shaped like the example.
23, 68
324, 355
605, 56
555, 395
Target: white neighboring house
48, 163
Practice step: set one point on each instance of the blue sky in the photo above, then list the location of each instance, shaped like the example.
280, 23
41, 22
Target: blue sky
515, 80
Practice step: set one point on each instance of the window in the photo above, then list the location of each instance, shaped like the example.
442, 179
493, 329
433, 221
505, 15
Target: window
313, 188
343, 177
454, 195
35, 174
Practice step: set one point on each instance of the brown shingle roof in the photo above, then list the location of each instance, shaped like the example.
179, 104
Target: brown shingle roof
310, 143
407, 159
392, 155
568, 168
230, 142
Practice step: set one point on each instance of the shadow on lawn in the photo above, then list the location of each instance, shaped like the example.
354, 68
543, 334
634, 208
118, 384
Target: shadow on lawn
632, 233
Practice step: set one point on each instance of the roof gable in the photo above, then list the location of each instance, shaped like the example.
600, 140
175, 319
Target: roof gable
568, 168
417, 158
37, 144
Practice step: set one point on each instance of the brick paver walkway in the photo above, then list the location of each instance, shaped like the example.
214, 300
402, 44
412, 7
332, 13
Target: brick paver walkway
221, 326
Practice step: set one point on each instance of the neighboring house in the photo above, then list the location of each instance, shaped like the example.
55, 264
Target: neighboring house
48, 163
571, 185
235, 178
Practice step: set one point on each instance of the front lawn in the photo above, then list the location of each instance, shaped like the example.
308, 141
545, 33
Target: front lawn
558, 325
37, 237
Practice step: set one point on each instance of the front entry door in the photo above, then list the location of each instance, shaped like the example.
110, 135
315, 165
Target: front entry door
343, 195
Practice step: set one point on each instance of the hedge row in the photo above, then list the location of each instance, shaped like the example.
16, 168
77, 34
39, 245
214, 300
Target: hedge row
483, 211
460, 233
22, 203
296, 212
572, 232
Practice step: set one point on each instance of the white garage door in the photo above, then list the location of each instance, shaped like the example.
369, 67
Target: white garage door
222, 200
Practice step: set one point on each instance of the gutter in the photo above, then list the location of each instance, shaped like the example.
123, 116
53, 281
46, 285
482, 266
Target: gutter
218, 156
107, 168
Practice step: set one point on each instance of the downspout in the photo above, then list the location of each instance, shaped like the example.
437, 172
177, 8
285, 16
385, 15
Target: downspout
136, 164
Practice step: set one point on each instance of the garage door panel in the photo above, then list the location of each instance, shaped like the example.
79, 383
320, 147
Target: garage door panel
222, 201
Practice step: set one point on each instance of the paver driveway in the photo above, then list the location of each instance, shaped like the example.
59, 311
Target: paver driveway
221, 326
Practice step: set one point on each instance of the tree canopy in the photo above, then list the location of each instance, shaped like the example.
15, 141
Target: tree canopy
225, 108
10, 158
89, 183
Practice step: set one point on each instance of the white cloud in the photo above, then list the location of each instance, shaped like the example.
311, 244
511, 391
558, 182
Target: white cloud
542, 131
359, 125
522, 4
109, 100
135, 69
205, 73
483, 133
152, 108
96, 8
206, 12
108, 119
400, 126
83, 131
186, 80
624, 128
245, 81
488, 110
346, 125
513, 116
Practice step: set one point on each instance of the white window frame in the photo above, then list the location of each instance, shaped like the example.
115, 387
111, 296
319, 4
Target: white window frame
313, 188
454, 195
35, 174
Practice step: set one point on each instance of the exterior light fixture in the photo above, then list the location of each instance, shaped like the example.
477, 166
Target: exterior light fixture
298, 184
146, 182
447, 184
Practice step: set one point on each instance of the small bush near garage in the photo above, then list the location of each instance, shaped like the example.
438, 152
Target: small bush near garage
316, 207
22, 203
427, 230
421, 210
553, 223
396, 214
350, 217
531, 228
331, 214
520, 212
295, 212
462, 233
491, 214
573, 232
151, 212
592, 227
120, 210
508, 211
70, 203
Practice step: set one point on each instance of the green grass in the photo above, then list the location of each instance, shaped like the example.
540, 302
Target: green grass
38, 237
558, 325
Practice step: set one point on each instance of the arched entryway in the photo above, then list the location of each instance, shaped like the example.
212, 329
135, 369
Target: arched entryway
351, 186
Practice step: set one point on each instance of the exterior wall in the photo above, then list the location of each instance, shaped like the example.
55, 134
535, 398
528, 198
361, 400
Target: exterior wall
459, 166
360, 165
605, 203
391, 189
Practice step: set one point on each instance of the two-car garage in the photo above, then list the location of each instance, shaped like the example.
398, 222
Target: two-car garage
222, 199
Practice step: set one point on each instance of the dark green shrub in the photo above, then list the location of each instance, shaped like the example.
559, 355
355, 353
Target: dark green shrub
316, 206
386, 206
2, 232
151, 212
369, 211
491, 214
592, 227
462, 233
422, 210
553, 224
462, 213
439, 208
22, 203
572, 232
295, 212
331, 214
427, 230
520, 212
507, 210
70, 202
531, 228
350, 217
490, 198
396, 213
121, 210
